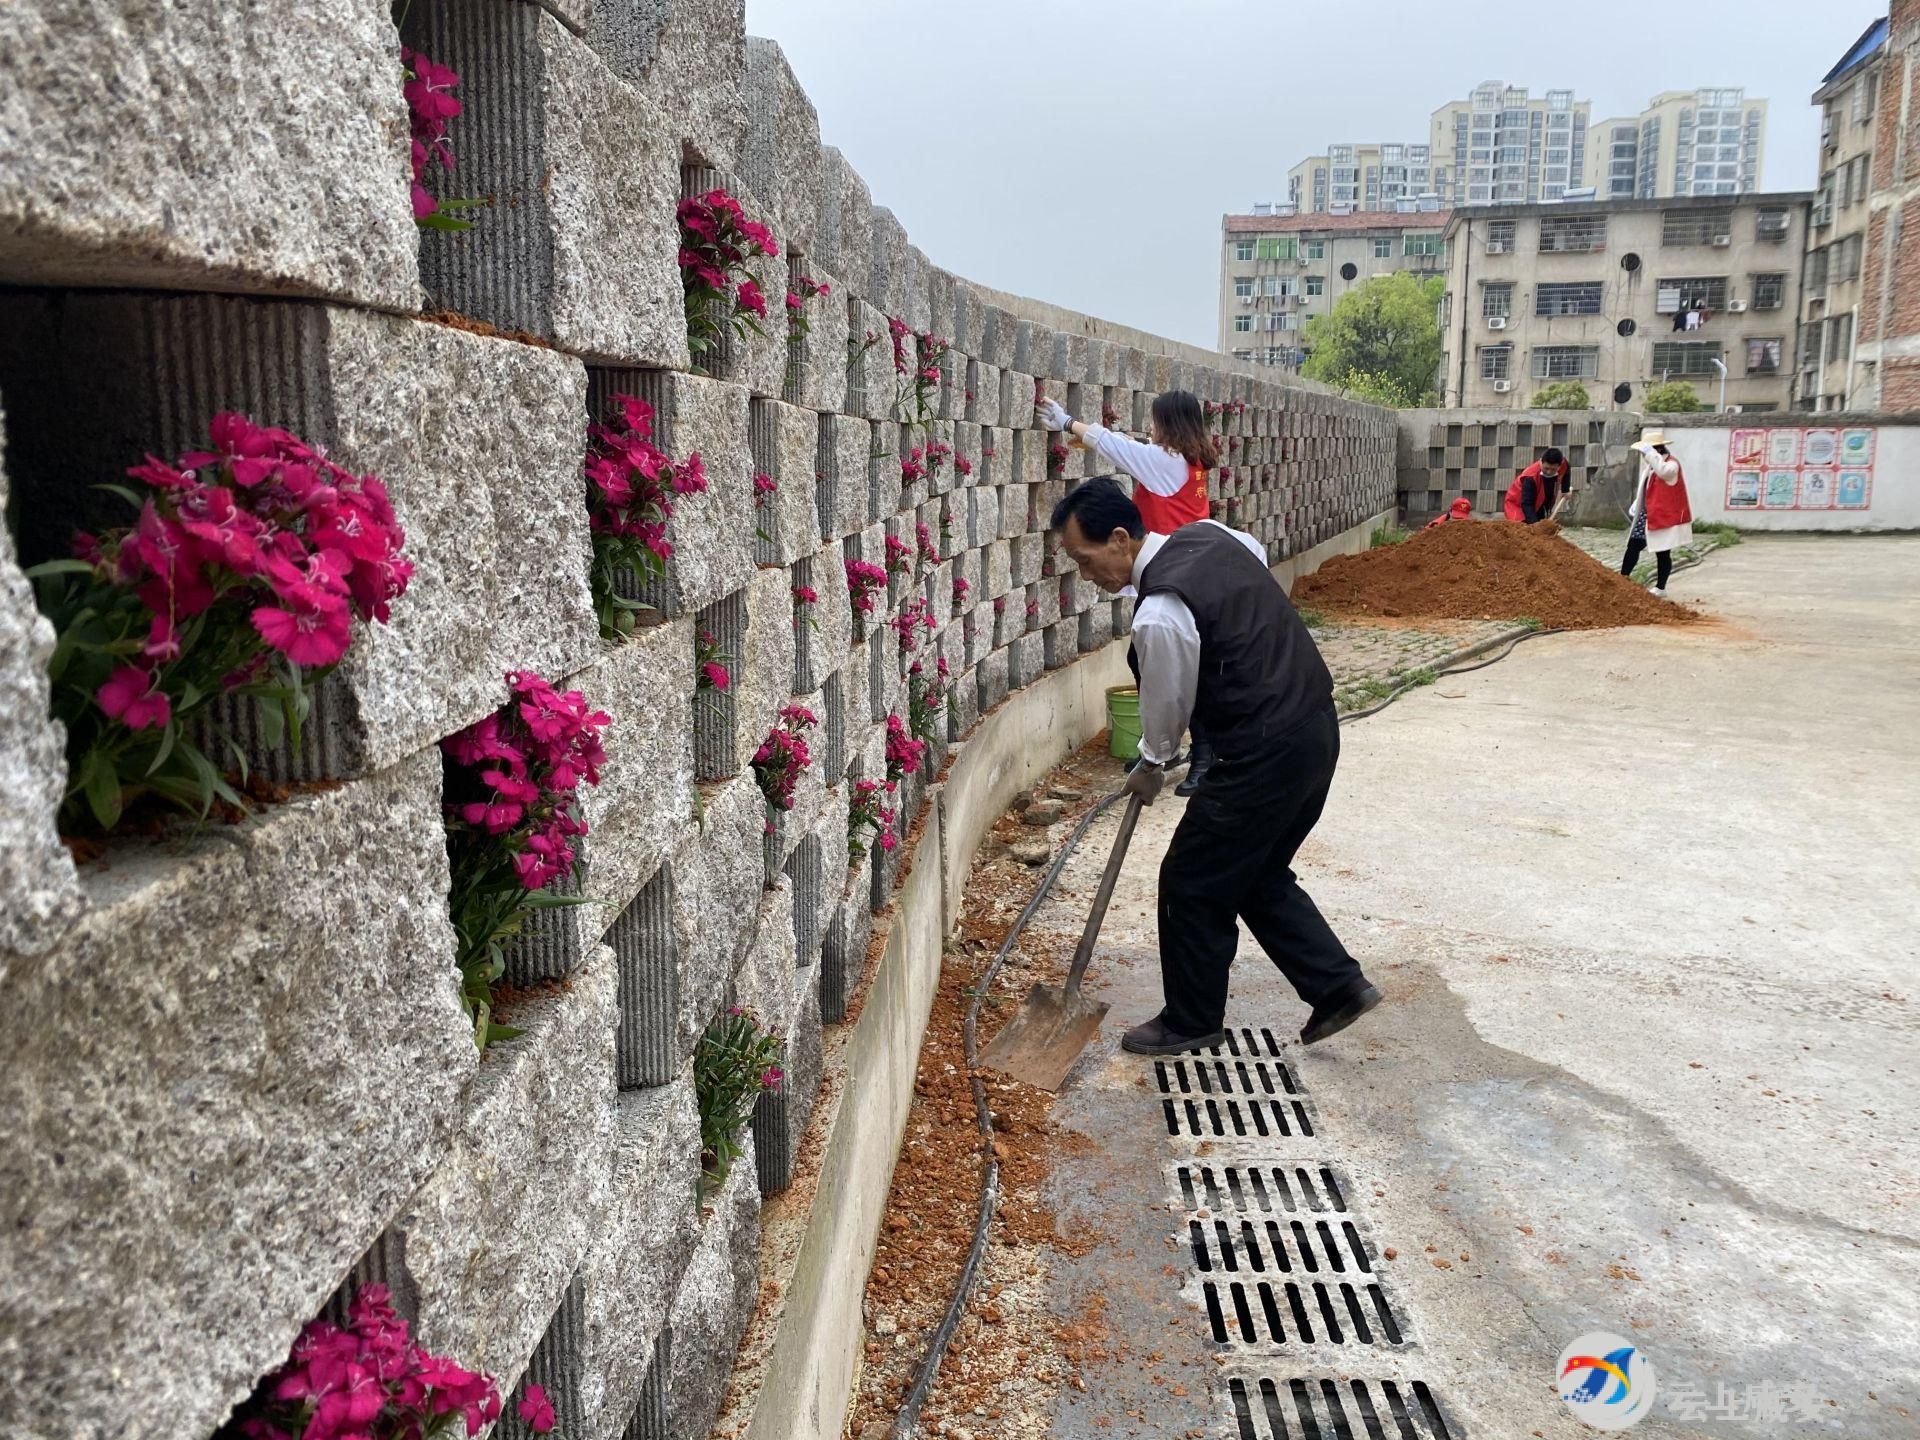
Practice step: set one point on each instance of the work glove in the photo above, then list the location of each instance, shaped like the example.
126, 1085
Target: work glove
1053, 415
1144, 781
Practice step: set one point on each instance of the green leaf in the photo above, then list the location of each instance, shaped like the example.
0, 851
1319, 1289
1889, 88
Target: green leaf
496, 1033
132, 497
48, 568
165, 748
437, 221
273, 724
102, 787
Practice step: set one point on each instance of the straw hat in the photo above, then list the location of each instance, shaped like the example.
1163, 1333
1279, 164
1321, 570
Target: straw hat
1650, 438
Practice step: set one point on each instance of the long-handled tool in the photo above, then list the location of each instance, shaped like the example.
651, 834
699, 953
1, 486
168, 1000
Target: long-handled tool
1052, 1027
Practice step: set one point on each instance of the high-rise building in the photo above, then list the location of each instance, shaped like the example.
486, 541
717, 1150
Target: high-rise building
1686, 142
1498, 147
1279, 269
1360, 177
1830, 375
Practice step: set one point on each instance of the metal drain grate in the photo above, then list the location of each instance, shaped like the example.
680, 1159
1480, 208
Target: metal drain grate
1245, 1041
1265, 1313
1225, 1077
1240, 1118
1266, 1189
1287, 1246
1325, 1409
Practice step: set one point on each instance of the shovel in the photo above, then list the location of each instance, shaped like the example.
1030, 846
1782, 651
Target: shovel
1041, 1042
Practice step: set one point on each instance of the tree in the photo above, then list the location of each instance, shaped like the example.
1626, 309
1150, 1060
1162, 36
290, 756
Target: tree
1563, 395
1387, 329
1676, 397
1380, 389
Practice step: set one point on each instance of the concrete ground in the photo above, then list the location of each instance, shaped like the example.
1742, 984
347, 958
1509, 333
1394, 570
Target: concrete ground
1645, 907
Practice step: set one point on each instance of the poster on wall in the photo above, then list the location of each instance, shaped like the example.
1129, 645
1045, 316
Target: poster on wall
1788, 468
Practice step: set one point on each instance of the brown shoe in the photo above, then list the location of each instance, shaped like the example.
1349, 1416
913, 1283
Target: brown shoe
1152, 1037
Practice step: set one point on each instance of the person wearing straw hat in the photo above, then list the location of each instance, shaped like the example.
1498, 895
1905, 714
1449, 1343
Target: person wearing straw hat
1660, 518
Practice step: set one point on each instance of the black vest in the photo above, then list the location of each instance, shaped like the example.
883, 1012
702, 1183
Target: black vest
1260, 672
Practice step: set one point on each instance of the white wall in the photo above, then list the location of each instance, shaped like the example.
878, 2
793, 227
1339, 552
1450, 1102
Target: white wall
1892, 490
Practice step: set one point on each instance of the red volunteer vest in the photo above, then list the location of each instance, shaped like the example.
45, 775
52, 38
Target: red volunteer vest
1667, 504
1164, 514
1519, 488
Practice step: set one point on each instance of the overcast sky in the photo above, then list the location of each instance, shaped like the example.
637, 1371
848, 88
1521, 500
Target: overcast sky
1083, 151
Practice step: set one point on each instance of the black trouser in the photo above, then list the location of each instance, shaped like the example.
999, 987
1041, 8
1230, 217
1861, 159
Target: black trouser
1662, 561
1231, 857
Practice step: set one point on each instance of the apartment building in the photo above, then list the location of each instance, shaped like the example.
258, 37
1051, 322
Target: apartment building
1599, 292
1278, 269
1709, 141
1828, 373
1499, 147
1360, 177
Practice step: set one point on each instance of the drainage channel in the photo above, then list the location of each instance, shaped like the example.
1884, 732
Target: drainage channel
1281, 1267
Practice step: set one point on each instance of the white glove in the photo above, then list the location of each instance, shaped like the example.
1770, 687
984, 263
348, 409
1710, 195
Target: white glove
1052, 415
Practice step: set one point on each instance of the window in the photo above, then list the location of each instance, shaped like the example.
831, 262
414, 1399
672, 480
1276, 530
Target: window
1276, 247
1574, 233
1243, 249
1288, 321
1845, 264
1816, 274
1242, 324
1772, 223
1865, 92
1704, 292
1696, 227
1382, 247
1496, 362
1271, 284
1496, 300
1316, 284
1243, 287
1582, 298
1313, 249
1566, 362
1500, 237
1769, 291
1840, 336
1420, 244
1763, 356
1685, 357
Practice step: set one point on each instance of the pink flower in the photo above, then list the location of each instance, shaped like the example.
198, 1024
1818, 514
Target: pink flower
764, 484
536, 1410
749, 298
805, 595
771, 1077
793, 301
131, 697
716, 674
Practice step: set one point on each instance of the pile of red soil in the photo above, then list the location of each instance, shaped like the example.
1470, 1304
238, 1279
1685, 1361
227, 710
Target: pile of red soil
1485, 570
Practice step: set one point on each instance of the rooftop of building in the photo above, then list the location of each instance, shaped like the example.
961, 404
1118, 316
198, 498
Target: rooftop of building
1314, 223
1870, 43
1550, 209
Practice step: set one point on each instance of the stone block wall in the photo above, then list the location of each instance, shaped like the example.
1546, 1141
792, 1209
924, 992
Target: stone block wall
1444, 454
238, 1077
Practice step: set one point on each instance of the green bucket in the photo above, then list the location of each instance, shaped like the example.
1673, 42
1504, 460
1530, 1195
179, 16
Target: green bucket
1123, 722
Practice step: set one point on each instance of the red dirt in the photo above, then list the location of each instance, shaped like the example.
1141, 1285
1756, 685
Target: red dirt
1486, 570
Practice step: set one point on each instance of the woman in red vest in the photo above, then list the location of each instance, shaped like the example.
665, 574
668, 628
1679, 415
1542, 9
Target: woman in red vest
1530, 498
1170, 490
1662, 519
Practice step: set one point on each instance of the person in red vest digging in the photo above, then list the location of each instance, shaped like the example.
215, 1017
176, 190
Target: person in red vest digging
1531, 496
1662, 521
1461, 509
1170, 490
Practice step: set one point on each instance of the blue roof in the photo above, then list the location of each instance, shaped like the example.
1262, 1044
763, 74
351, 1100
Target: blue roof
1870, 40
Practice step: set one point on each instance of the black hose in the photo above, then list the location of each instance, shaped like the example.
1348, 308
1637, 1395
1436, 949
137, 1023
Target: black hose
1510, 641
906, 1422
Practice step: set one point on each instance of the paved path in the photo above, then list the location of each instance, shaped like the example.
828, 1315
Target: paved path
1645, 906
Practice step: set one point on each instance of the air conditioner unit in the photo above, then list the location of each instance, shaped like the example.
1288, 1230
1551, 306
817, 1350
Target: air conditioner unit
1501, 387
1246, 299
1721, 242
1736, 307
1496, 322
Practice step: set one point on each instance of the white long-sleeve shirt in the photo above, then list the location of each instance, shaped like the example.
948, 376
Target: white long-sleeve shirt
1159, 469
1166, 645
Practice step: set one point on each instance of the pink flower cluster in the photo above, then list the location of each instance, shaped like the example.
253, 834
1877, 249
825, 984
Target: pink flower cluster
923, 538
430, 105
1056, 455
521, 768
964, 466
783, 755
960, 589
898, 331
905, 755
536, 1410
710, 671
763, 486
717, 239
1109, 416
805, 595
632, 482
913, 467
867, 810
805, 288
864, 582
370, 1381
938, 453
899, 556
912, 619
262, 531
927, 698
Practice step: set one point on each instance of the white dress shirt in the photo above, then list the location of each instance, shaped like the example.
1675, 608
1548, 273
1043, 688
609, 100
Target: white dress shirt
1166, 645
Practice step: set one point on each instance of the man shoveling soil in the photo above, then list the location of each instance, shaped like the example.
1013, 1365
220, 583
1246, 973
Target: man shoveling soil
1265, 699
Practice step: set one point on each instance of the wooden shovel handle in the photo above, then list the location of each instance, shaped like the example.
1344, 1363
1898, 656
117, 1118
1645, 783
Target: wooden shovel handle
1084, 951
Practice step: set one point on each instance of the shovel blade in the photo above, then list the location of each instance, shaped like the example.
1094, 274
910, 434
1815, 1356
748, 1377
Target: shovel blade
1045, 1037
